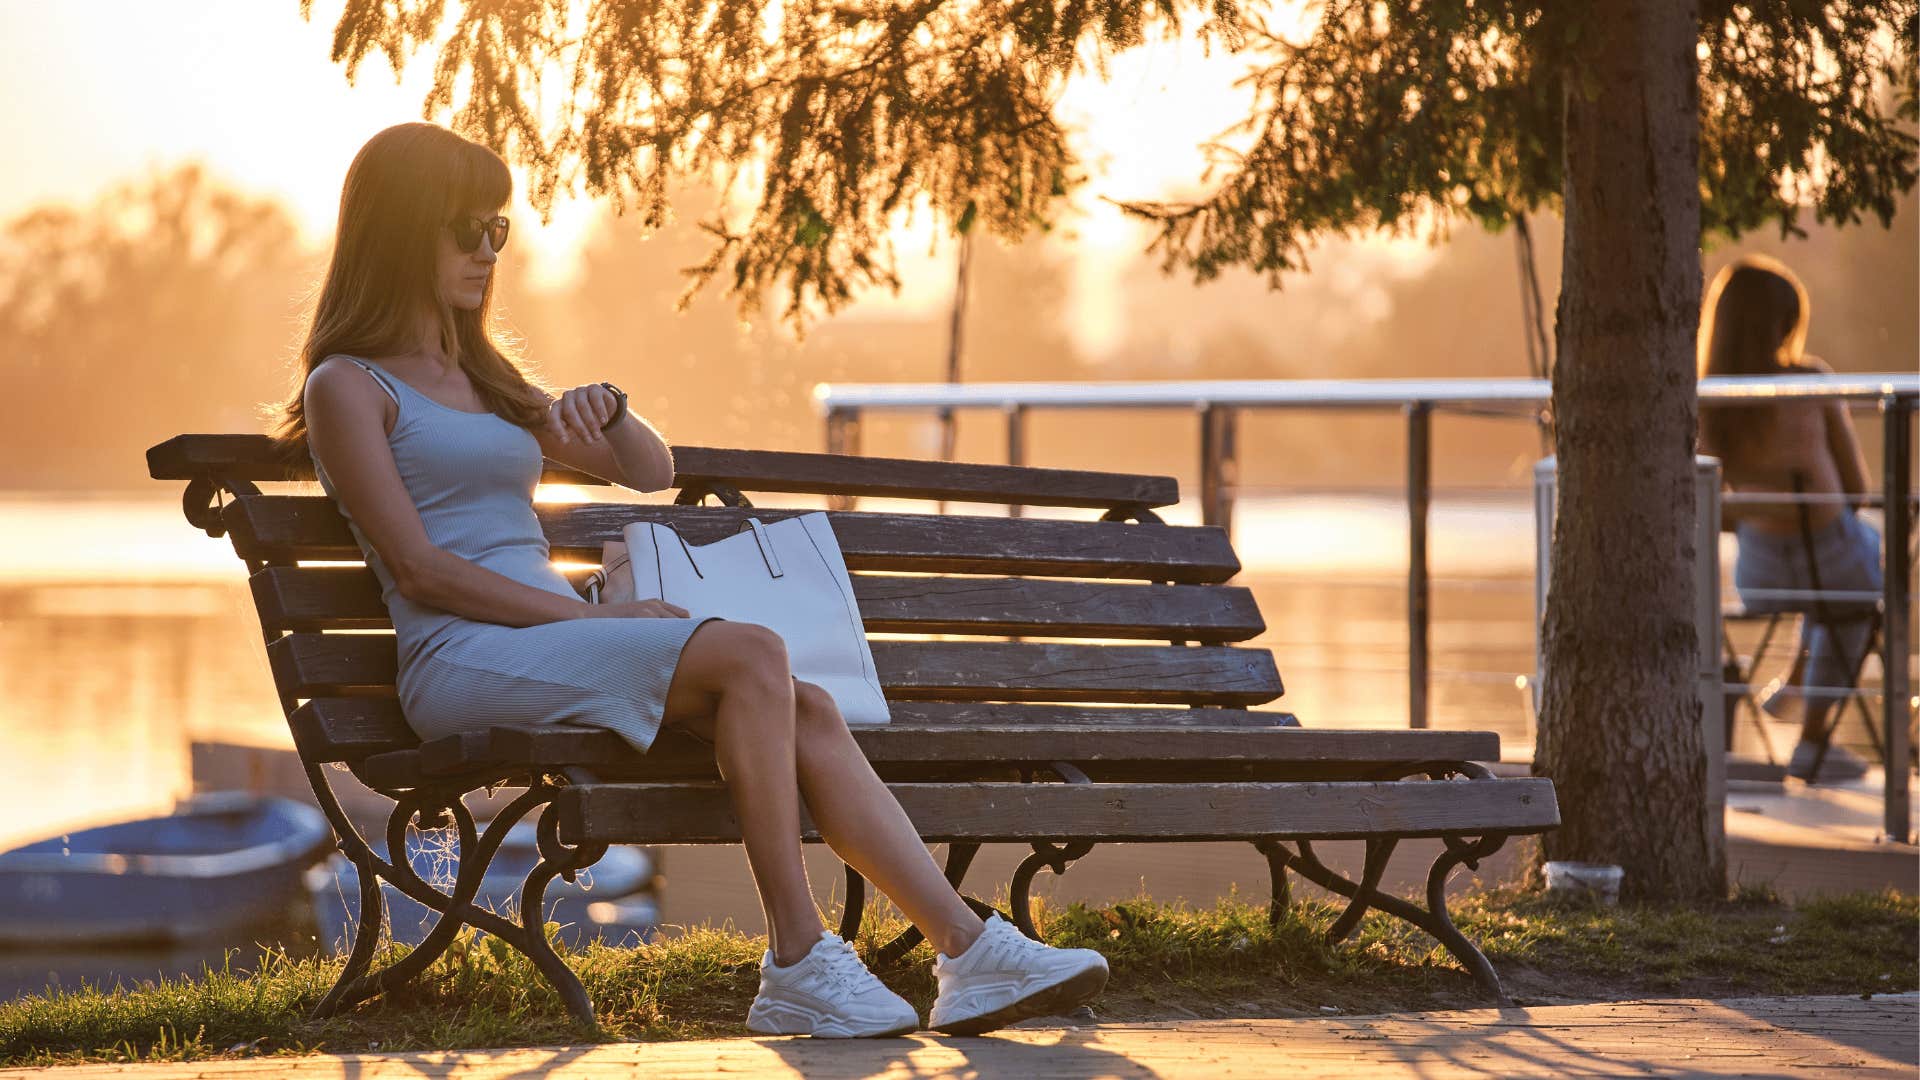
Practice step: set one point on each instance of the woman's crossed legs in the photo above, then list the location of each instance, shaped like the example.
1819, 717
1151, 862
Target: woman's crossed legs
777, 739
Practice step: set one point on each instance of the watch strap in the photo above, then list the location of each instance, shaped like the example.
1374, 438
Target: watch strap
620, 405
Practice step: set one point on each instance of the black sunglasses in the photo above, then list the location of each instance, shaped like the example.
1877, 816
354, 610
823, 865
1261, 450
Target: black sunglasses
467, 230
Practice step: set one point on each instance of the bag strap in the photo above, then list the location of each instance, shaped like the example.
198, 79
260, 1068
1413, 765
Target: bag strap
765, 540
760, 536
659, 571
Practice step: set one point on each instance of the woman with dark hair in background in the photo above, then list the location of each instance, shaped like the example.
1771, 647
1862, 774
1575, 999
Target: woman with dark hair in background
430, 440
1754, 323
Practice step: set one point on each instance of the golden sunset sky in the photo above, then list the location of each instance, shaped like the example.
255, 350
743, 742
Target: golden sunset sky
96, 91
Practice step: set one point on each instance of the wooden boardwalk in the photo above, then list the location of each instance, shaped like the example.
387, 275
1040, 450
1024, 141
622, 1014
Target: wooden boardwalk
1761, 1037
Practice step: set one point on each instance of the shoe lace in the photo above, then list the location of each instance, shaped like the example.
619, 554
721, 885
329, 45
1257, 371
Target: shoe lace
1007, 946
844, 968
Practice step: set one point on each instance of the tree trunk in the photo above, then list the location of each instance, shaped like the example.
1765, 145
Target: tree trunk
1620, 726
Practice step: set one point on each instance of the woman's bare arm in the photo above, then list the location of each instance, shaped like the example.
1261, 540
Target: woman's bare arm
631, 453
1844, 443
347, 432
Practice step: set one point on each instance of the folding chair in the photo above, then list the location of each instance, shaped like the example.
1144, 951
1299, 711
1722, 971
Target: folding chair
1822, 613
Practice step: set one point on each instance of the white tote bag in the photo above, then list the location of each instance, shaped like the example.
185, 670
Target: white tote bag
788, 576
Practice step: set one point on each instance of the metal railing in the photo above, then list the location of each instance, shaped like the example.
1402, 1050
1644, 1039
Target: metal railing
1218, 405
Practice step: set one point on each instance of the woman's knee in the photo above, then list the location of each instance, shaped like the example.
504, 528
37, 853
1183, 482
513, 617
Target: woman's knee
729, 656
815, 711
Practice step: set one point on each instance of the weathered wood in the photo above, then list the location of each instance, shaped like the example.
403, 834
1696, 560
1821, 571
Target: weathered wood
904, 752
1044, 608
248, 457
989, 813
283, 528
1016, 744
347, 728
313, 665
904, 478
348, 598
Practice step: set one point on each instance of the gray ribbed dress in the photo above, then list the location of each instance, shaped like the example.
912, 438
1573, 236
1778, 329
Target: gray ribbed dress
472, 478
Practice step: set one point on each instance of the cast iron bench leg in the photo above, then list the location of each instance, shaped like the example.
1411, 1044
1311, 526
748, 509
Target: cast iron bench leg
455, 910
1277, 859
1434, 919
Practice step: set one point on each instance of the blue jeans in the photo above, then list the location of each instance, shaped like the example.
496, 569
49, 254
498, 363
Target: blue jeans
1848, 554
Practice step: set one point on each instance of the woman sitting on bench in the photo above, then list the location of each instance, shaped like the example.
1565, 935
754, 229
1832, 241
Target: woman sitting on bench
429, 439
1755, 323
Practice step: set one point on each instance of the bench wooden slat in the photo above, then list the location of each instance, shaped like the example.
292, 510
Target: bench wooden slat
998, 812
347, 728
348, 598
248, 457
1015, 744
283, 528
315, 665
915, 753
330, 729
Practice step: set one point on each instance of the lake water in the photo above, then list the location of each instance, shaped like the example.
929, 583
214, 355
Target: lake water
127, 636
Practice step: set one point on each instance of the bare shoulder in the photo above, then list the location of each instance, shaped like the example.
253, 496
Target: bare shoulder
1809, 365
341, 388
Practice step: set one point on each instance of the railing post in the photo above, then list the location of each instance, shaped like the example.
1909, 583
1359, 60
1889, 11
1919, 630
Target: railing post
1016, 443
1419, 495
843, 437
1897, 624
1219, 468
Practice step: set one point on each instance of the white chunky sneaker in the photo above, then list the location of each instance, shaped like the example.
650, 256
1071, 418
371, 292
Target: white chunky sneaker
1005, 976
829, 994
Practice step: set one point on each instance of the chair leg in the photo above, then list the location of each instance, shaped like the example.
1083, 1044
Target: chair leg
1853, 665
1744, 677
1859, 700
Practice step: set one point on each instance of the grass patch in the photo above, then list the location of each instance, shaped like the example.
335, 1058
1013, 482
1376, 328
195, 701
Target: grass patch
1169, 962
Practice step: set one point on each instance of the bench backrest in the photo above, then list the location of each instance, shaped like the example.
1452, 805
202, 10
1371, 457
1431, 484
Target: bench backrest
983, 580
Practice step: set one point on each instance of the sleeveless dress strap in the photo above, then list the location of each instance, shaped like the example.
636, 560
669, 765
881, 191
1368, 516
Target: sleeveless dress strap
378, 376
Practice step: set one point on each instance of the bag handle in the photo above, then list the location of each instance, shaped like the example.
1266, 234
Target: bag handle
653, 528
765, 541
760, 537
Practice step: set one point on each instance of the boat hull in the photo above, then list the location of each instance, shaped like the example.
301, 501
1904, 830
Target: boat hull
220, 863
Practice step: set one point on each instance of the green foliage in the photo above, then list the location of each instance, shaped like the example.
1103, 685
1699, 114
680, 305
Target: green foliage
847, 114
1167, 960
844, 113
1389, 116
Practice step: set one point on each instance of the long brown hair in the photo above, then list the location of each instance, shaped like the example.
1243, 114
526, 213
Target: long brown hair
402, 188
1753, 322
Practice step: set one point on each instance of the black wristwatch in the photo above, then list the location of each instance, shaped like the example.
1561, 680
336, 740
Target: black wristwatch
620, 409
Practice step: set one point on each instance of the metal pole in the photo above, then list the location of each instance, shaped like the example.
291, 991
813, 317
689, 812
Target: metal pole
1896, 633
1218, 466
1419, 495
1016, 444
843, 437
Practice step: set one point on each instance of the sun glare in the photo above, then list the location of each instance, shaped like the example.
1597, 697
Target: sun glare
248, 88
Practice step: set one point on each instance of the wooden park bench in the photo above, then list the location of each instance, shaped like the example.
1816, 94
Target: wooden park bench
1137, 727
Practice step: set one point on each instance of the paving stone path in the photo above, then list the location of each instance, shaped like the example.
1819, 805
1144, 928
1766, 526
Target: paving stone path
1762, 1037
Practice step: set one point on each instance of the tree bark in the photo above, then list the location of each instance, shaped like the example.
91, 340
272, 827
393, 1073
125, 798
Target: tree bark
1620, 724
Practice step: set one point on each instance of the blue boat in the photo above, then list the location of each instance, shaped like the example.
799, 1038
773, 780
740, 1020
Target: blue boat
610, 901
221, 862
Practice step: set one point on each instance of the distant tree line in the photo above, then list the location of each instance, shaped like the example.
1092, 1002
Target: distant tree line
171, 302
